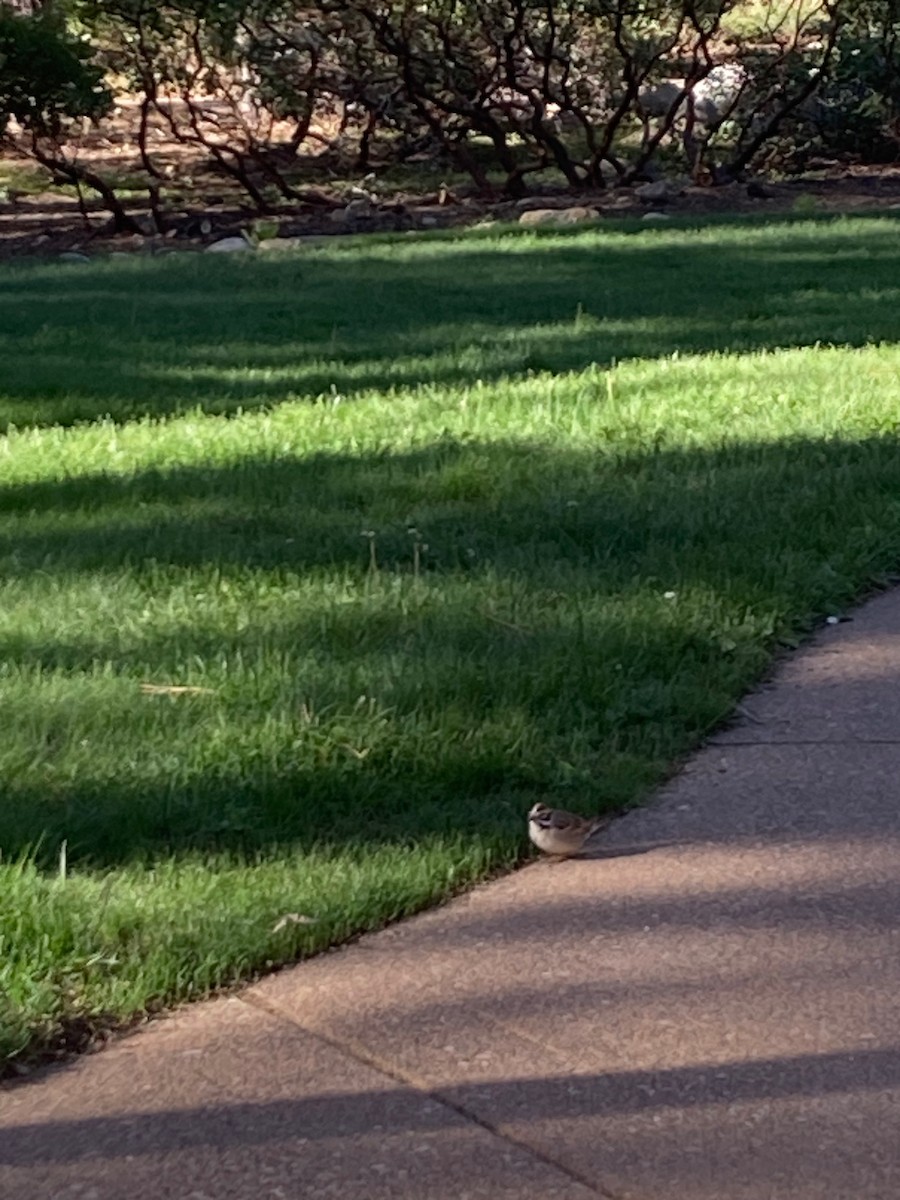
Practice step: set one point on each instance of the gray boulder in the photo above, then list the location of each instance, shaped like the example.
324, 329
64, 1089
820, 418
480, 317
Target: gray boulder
558, 216
230, 245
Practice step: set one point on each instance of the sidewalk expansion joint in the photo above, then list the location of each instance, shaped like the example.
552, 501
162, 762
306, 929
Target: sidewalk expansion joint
364, 1056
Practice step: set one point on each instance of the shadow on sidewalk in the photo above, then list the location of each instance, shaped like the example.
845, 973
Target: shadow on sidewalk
566, 1097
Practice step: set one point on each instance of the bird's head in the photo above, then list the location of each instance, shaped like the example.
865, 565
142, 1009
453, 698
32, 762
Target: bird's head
540, 814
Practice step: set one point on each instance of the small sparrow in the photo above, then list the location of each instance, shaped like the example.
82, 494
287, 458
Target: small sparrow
561, 833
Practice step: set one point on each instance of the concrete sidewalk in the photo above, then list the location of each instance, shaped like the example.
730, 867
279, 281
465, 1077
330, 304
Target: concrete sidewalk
709, 1009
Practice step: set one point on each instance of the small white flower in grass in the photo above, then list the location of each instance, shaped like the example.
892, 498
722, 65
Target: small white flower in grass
669, 595
571, 504
292, 919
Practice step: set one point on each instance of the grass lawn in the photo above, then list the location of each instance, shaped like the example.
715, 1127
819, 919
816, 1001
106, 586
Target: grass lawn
432, 527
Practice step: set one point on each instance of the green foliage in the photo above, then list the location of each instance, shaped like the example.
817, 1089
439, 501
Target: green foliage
508, 91
46, 74
854, 111
857, 109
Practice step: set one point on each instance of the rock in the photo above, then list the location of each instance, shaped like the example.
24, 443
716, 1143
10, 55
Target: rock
427, 219
539, 216
191, 227
580, 213
656, 216
713, 96
572, 216
657, 99
361, 206
557, 216
230, 245
73, 256
719, 91
658, 192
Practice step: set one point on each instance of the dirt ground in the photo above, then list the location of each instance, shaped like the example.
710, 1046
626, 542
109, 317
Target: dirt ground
48, 223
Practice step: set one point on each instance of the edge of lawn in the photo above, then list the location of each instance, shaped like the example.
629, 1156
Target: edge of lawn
79, 1034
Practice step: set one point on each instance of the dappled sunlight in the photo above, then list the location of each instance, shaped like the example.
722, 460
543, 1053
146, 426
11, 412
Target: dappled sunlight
663, 896
313, 710
323, 378
409, 313
336, 1114
537, 616
563, 525
875, 661
632, 238
534, 1136
626, 1010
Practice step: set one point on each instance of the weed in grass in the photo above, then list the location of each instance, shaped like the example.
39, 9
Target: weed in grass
227, 705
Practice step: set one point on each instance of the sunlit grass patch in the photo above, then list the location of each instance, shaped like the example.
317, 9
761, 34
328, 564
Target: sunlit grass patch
314, 575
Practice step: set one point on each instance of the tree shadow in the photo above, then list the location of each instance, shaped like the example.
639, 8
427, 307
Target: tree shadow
676, 1066
157, 337
531, 646
559, 1119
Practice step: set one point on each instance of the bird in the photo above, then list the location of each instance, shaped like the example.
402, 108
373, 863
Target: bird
560, 833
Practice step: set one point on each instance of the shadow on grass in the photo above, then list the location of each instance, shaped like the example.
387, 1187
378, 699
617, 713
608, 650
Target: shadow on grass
156, 337
523, 508
632, 968
577, 622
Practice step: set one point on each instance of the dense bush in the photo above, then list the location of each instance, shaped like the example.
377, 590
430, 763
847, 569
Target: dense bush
591, 90
46, 77
48, 82
508, 87
856, 111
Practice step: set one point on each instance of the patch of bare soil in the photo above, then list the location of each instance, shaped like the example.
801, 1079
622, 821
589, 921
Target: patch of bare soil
49, 223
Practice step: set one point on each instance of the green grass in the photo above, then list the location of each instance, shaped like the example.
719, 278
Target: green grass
438, 526
23, 177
